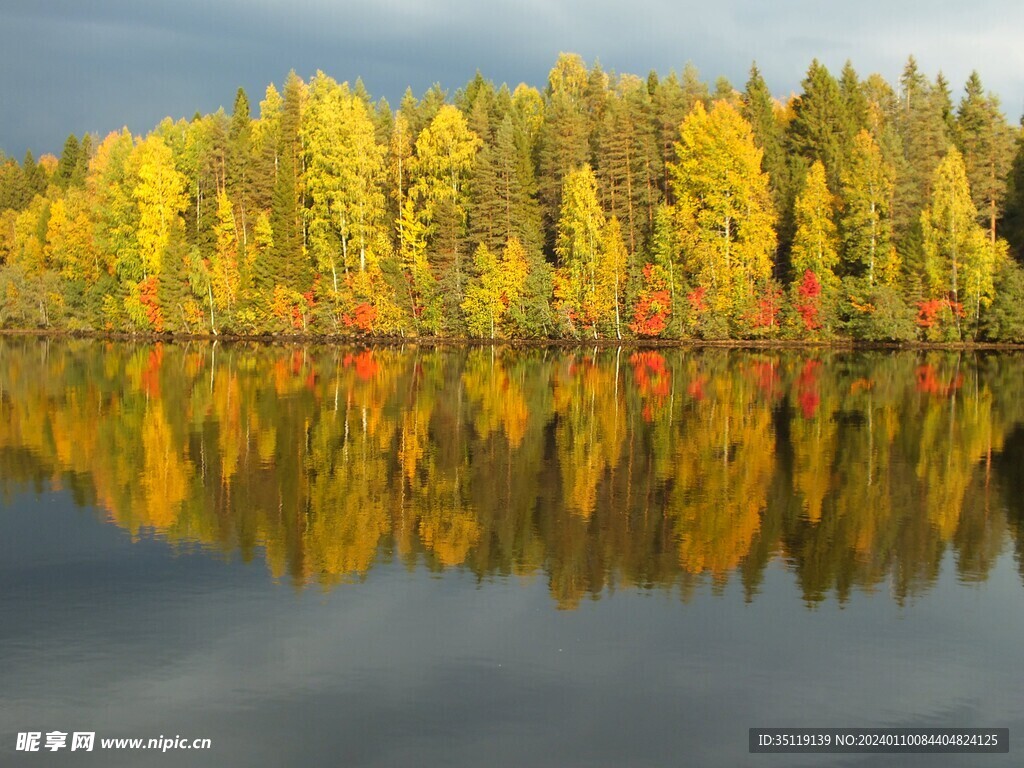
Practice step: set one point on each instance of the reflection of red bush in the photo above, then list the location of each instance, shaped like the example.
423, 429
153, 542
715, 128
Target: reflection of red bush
151, 373
366, 367
653, 379
929, 383
809, 401
807, 389
650, 373
766, 376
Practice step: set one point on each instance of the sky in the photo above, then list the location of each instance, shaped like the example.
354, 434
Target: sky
96, 65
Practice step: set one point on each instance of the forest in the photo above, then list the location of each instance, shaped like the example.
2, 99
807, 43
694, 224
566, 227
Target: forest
604, 206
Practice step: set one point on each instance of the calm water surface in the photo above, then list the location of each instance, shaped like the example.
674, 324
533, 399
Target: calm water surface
495, 557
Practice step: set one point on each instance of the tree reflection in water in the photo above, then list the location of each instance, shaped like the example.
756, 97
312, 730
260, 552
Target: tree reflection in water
591, 468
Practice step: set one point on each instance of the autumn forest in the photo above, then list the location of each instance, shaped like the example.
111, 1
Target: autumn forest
604, 206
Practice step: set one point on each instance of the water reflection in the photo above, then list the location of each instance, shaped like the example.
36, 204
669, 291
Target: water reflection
593, 469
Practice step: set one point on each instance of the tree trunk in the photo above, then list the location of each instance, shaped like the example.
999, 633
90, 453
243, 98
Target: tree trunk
213, 320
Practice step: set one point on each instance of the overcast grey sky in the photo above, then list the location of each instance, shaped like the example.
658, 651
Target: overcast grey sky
95, 65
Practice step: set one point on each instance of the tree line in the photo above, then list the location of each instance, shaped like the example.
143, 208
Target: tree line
606, 205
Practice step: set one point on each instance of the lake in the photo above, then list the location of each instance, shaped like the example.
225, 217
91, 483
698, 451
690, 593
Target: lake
488, 556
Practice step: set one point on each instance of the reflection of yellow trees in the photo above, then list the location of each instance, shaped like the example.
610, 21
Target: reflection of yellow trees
26, 419
599, 469
74, 438
348, 463
226, 405
414, 437
165, 471
411, 448
956, 435
498, 396
432, 494
843, 474
266, 444
350, 516
861, 477
448, 529
814, 438
591, 426
720, 467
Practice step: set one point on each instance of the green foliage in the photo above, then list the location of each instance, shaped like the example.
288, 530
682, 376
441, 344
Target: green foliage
1004, 318
816, 131
603, 204
286, 206
759, 110
986, 142
925, 135
628, 152
875, 312
1013, 219
564, 139
69, 163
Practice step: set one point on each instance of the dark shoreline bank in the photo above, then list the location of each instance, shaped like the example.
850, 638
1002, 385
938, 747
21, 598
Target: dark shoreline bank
430, 341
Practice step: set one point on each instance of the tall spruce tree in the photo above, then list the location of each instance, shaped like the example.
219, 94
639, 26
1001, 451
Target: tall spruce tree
669, 107
694, 90
286, 208
758, 109
1013, 219
35, 176
816, 131
239, 164
484, 204
626, 152
266, 144
855, 104
564, 141
70, 159
986, 142
925, 137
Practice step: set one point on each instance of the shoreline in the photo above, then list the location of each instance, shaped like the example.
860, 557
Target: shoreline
272, 339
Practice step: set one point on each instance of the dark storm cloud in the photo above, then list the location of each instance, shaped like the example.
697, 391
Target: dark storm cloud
74, 66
